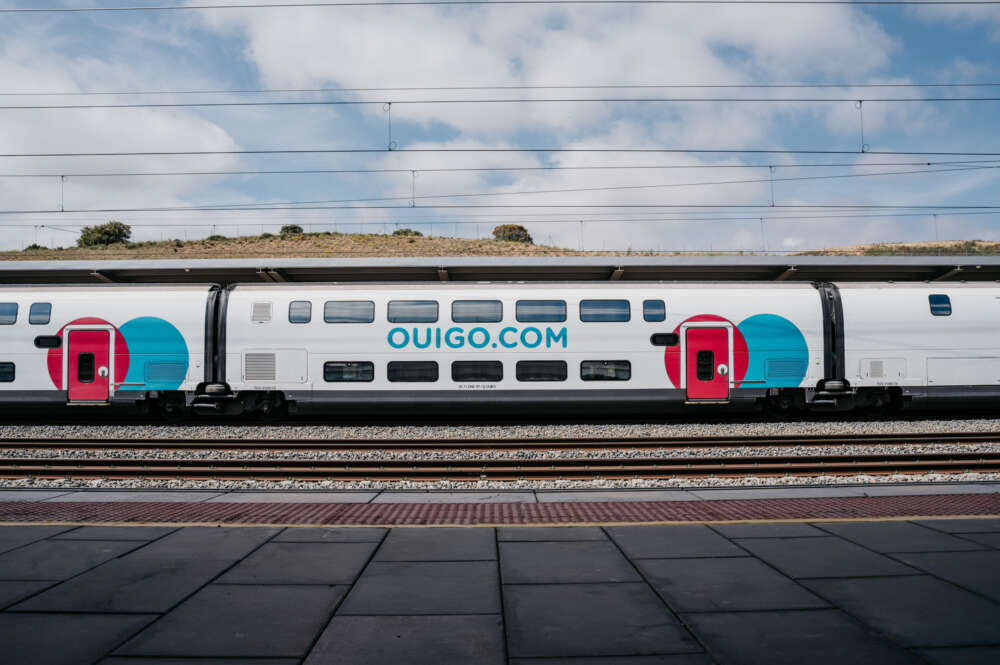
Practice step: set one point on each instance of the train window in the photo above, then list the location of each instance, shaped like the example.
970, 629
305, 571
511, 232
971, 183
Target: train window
300, 311
8, 313
705, 365
40, 313
334, 372
476, 370
664, 339
85, 368
654, 310
541, 311
349, 311
413, 311
413, 372
541, 370
940, 304
476, 311
6, 372
48, 341
605, 370
260, 312
605, 310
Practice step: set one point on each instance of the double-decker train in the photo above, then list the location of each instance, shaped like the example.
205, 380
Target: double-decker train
501, 348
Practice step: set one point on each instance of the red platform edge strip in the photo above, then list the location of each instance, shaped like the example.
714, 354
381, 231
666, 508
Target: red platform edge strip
470, 514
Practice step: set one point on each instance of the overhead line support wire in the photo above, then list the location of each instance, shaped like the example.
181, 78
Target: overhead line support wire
365, 151
387, 105
377, 3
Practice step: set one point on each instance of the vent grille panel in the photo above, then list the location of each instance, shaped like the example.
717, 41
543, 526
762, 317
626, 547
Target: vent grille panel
785, 369
259, 367
261, 312
877, 370
166, 371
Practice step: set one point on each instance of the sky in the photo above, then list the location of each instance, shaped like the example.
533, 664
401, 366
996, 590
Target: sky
581, 198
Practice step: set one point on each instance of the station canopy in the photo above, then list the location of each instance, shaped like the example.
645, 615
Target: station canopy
509, 269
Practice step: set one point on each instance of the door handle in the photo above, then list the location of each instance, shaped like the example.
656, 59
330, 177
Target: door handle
102, 372
722, 369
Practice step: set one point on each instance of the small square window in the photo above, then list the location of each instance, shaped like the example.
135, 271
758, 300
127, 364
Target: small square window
8, 313
940, 304
654, 310
40, 313
6, 372
300, 311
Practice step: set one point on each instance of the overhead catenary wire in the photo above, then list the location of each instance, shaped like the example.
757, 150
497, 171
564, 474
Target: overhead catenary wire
403, 3
476, 169
521, 100
369, 151
601, 86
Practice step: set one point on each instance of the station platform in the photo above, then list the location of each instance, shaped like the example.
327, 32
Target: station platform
823, 575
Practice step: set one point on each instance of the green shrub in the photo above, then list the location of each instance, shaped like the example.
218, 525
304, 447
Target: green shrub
512, 233
291, 230
406, 233
215, 238
33, 247
266, 235
104, 234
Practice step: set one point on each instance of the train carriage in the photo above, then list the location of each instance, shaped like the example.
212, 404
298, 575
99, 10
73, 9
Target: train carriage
96, 345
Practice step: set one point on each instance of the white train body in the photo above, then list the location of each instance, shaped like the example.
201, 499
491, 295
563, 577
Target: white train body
548, 347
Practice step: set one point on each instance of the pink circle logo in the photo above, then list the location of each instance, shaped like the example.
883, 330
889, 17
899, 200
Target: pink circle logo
672, 356
55, 357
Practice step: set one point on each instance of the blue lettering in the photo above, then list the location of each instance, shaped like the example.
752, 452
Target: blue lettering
398, 331
503, 338
454, 338
416, 339
437, 338
472, 338
524, 337
551, 338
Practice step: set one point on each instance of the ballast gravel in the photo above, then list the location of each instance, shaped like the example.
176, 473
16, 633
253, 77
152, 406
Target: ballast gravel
431, 433
323, 432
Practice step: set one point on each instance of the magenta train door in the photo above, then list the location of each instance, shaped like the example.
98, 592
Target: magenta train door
707, 360
89, 365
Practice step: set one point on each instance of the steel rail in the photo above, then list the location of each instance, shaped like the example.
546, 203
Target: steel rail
498, 444
500, 469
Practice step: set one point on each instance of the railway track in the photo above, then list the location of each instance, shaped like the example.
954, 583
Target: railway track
482, 468
499, 444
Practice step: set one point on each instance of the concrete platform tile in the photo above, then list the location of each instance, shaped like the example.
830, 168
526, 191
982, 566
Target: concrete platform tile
962, 655
60, 559
822, 557
330, 535
219, 543
935, 488
29, 495
549, 533
115, 533
767, 530
564, 562
427, 587
11, 591
198, 661
129, 584
897, 537
672, 659
64, 639
977, 571
301, 563
294, 497
731, 584
968, 525
915, 611
987, 539
12, 537
443, 544
776, 493
816, 637
566, 620
137, 495
614, 495
421, 640
455, 497
229, 621
680, 541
